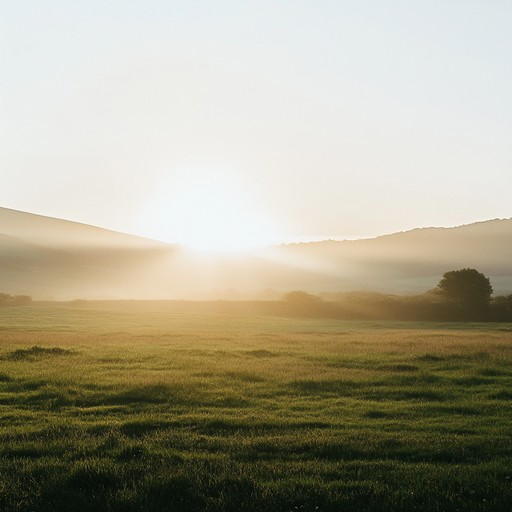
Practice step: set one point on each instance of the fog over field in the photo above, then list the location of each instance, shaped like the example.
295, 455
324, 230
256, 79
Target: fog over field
52, 258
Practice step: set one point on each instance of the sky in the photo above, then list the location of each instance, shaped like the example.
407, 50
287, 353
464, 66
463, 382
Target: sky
254, 122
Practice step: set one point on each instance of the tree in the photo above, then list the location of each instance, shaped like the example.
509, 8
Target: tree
501, 308
468, 290
14, 300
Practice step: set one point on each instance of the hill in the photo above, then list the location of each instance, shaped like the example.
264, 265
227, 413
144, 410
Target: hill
415, 260
53, 258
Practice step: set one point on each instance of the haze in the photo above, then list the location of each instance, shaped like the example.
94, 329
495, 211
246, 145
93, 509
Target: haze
231, 124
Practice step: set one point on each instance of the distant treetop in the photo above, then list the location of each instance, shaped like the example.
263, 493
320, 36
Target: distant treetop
466, 287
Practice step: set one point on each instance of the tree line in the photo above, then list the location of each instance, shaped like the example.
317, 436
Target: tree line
461, 295
14, 300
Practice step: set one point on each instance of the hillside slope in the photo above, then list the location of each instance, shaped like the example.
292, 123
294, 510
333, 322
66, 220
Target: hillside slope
53, 258
415, 260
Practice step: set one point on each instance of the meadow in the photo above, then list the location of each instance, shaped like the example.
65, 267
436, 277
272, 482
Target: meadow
144, 407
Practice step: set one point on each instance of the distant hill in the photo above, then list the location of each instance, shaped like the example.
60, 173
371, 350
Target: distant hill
415, 260
52, 258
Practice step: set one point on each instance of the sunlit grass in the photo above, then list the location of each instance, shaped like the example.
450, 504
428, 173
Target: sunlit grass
139, 408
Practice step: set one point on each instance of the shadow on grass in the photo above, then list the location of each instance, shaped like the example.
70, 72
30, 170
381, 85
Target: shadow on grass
36, 352
144, 427
398, 387
327, 386
399, 368
470, 357
245, 376
48, 394
260, 353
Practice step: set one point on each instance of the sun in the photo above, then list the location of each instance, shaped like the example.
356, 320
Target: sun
211, 213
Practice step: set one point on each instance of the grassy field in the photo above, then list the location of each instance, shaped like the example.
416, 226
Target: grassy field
133, 407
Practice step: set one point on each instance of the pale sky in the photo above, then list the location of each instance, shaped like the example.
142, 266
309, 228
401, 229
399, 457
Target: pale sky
277, 120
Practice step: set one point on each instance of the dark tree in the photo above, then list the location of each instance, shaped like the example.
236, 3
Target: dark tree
501, 308
468, 290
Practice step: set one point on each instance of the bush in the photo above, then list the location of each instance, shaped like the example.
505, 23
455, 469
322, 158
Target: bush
14, 300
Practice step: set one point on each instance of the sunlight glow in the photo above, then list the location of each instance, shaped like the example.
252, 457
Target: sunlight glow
209, 212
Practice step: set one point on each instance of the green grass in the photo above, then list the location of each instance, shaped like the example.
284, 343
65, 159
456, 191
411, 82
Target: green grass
133, 407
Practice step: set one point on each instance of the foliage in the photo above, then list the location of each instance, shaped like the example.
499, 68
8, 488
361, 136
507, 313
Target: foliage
14, 300
137, 407
467, 288
460, 295
501, 308
300, 297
